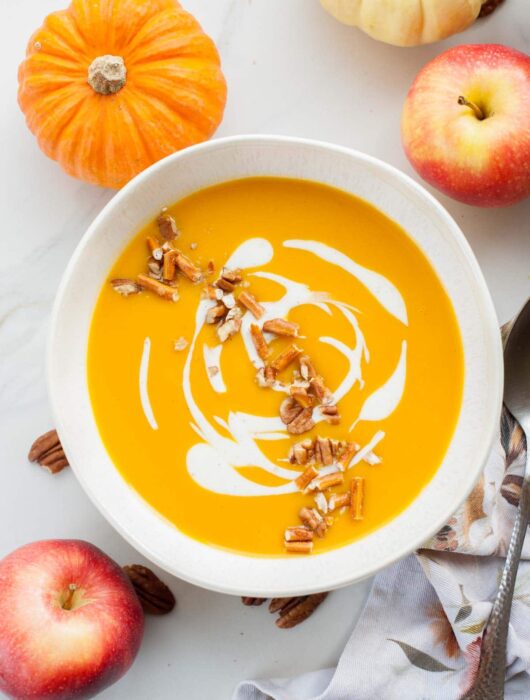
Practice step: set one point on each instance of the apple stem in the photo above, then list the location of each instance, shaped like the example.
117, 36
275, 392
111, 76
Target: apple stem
479, 114
67, 603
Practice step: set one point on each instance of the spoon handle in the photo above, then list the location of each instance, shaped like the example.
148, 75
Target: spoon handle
489, 684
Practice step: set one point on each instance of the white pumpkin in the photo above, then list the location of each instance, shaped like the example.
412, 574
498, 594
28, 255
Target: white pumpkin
406, 22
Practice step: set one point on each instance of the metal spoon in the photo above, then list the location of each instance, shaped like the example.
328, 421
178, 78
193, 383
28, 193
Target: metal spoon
489, 684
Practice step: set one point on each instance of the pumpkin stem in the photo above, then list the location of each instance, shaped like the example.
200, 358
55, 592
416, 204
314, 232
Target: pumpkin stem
479, 114
107, 74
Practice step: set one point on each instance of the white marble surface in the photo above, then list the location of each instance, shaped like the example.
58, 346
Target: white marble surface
291, 69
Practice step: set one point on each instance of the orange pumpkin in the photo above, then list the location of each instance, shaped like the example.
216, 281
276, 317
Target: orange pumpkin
110, 86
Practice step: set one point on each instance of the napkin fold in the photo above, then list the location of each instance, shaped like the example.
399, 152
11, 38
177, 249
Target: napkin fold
420, 634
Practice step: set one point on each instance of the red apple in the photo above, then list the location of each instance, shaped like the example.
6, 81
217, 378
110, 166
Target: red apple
466, 124
71, 623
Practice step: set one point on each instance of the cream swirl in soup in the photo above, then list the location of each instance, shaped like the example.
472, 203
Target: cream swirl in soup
215, 461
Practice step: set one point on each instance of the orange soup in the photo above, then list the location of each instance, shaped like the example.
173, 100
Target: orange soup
275, 367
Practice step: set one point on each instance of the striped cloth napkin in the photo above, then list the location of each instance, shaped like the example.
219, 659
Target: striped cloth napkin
420, 634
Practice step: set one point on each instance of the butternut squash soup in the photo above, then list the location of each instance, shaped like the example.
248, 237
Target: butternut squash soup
275, 367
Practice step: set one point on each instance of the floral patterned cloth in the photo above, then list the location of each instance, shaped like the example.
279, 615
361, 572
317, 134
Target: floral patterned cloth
420, 634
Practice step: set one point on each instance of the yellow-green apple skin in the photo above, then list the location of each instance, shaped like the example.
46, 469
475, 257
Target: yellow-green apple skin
70, 621
480, 158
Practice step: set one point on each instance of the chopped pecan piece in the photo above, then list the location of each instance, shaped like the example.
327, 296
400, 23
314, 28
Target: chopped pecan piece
213, 293
228, 329
233, 276
167, 227
125, 286
228, 279
285, 358
301, 452
312, 519
289, 410
187, 267
265, 378
307, 370
163, 290
323, 451
250, 302
259, 341
269, 374
294, 611
321, 391
346, 456
279, 326
246, 600
216, 313
300, 395
337, 447
302, 423
48, 452
231, 325
210, 267
331, 414
153, 594
155, 269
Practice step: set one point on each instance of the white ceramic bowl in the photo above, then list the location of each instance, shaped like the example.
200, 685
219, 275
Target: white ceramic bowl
442, 242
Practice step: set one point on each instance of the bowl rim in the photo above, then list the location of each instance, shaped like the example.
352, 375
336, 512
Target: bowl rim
327, 582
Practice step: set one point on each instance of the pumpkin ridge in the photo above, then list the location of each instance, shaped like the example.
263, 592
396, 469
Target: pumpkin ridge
59, 29
75, 150
65, 150
143, 55
196, 48
121, 8
82, 14
125, 19
167, 135
66, 96
129, 133
54, 55
165, 115
183, 72
60, 68
53, 125
188, 99
151, 157
169, 24
106, 157
194, 115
